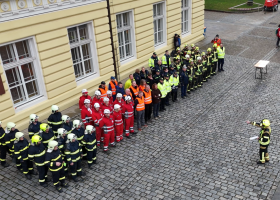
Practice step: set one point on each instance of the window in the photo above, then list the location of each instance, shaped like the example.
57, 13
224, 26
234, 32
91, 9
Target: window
158, 13
186, 16
22, 71
81, 51
125, 33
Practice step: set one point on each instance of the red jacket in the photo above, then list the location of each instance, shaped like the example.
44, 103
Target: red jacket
117, 116
110, 107
120, 103
82, 99
95, 100
97, 116
128, 110
107, 124
86, 115
111, 100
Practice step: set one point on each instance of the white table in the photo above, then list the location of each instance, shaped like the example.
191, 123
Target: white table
261, 65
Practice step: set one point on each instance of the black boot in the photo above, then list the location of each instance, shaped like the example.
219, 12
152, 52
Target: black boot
65, 185
260, 163
128, 137
59, 189
44, 185
5, 165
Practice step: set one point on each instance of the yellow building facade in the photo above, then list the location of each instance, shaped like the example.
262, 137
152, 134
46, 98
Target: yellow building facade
52, 49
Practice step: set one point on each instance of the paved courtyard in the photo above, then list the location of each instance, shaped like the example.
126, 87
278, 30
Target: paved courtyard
200, 147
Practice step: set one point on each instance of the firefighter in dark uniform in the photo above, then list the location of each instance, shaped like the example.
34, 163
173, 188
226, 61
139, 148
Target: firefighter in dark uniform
90, 144
192, 51
194, 76
177, 64
79, 131
264, 139
21, 153
46, 134
55, 163
54, 119
187, 60
198, 71
204, 68
3, 147
215, 59
62, 139
190, 71
66, 123
74, 154
150, 80
157, 76
196, 53
209, 57
37, 153
34, 126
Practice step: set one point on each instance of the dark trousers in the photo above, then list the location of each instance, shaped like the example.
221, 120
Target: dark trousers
184, 89
76, 169
65, 165
43, 173
156, 109
114, 97
3, 150
58, 176
263, 154
148, 111
27, 166
199, 80
162, 103
174, 94
277, 43
91, 157
221, 64
214, 68
167, 98
189, 86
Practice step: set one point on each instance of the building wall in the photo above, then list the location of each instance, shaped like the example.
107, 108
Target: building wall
144, 32
50, 33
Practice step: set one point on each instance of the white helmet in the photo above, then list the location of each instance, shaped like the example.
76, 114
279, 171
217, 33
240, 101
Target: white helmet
76, 123
198, 58
65, 118
71, 136
109, 92
86, 101
119, 95
60, 132
187, 56
32, 117
127, 98
10, 125
96, 105
106, 99
19, 135
117, 106
54, 108
89, 129
97, 92
107, 111
84, 90
52, 144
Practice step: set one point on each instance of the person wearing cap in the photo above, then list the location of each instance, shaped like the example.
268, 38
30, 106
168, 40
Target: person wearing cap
144, 73
54, 119
134, 90
103, 89
139, 105
128, 113
112, 86
168, 89
157, 76
164, 72
184, 79
89, 142
97, 115
198, 72
120, 88
156, 97
118, 122
217, 40
107, 124
128, 83
166, 59
67, 124
174, 82
152, 62
150, 80
97, 98
137, 76
34, 126
171, 71
209, 57
110, 97
106, 105
215, 59
86, 113
83, 97
163, 89
221, 56
147, 93
3, 148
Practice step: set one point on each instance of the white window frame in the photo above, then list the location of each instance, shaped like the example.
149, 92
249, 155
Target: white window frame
133, 40
38, 72
94, 57
184, 8
163, 17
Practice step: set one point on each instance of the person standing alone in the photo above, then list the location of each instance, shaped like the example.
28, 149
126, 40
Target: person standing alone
221, 57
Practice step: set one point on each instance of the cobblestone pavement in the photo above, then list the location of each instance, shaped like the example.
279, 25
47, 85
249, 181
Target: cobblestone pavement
199, 149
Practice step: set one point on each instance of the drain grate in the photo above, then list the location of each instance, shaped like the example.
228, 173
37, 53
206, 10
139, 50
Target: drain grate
273, 23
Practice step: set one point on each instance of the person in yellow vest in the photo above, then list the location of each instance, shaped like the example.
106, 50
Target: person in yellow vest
162, 88
103, 89
214, 60
221, 56
148, 102
166, 59
128, 82
139, 105
168, 89
152, 62
174, 82
112, 86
